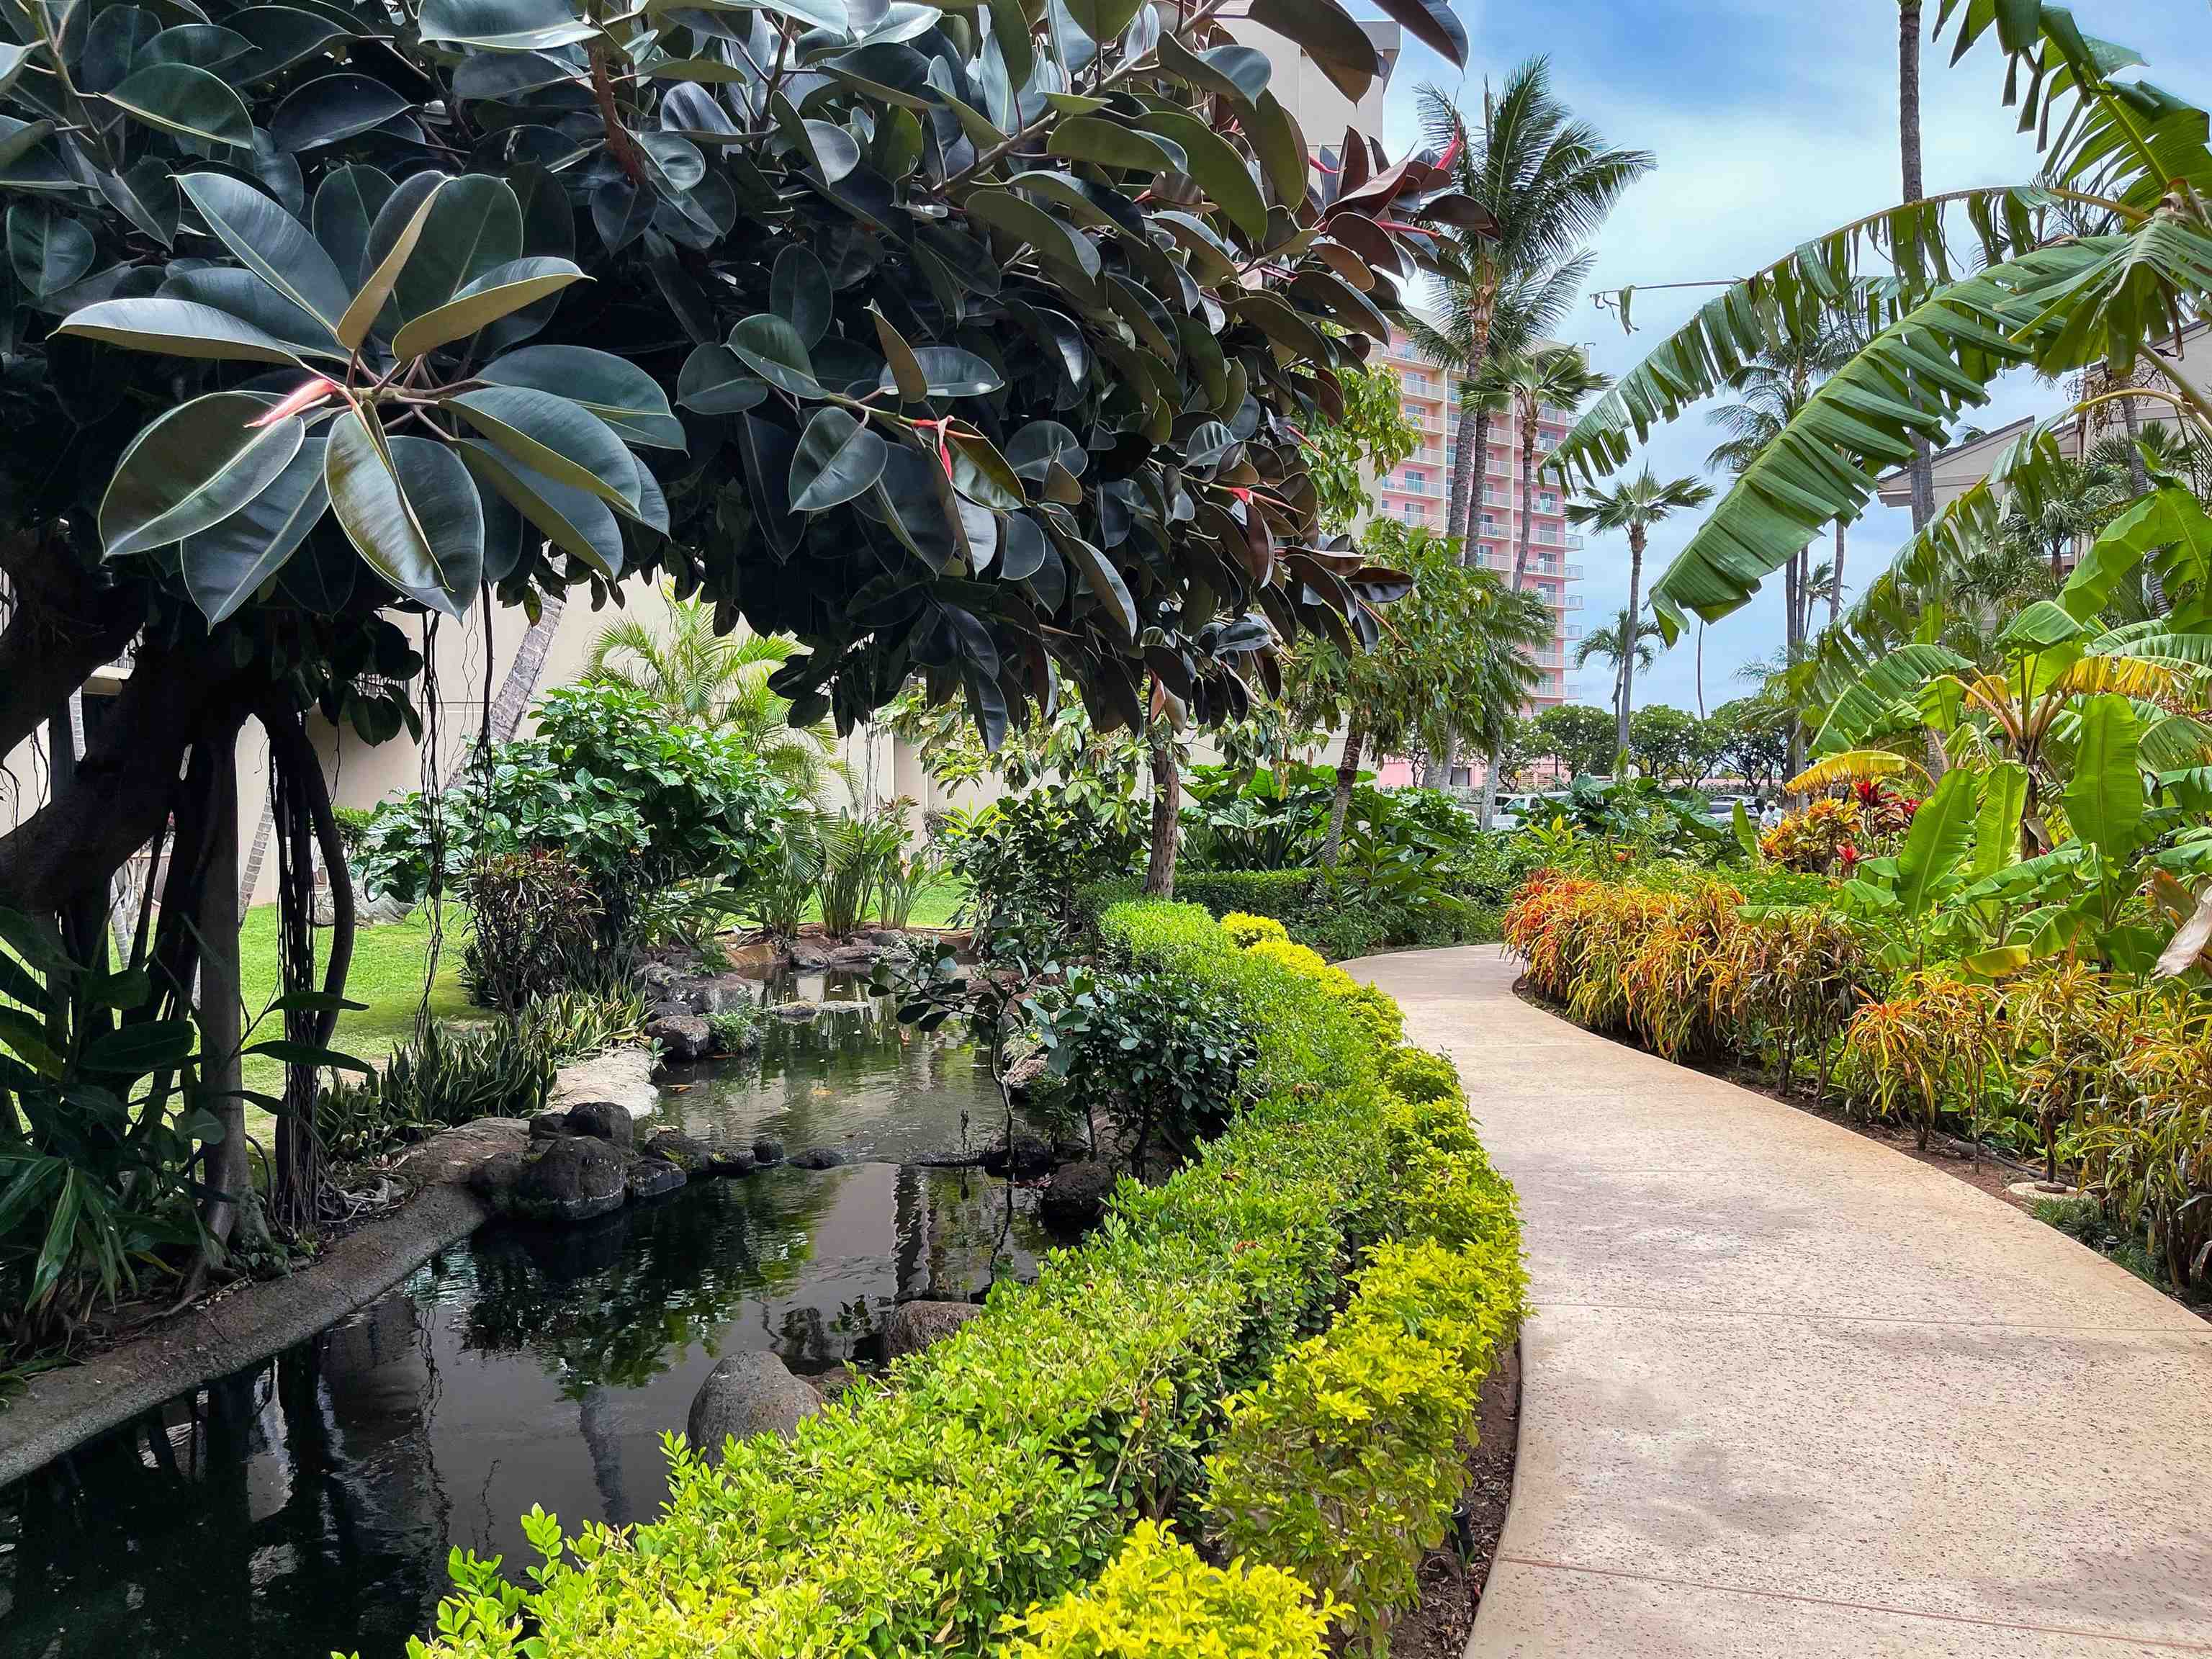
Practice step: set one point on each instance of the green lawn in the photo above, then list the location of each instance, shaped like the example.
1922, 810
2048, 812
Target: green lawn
386, 975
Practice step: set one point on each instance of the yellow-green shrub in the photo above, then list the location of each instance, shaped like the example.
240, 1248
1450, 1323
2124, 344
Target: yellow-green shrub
1249, 930
1158, 1600
1415, 1074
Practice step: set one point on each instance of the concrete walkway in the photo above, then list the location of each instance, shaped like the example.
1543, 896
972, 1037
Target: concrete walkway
1790, 1394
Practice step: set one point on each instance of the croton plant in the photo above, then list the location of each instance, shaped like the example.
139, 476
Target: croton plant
969, 341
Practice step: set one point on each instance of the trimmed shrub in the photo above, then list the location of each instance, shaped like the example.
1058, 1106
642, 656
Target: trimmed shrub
1418, 1076
1159, 1601
1247, 930
1001, 1468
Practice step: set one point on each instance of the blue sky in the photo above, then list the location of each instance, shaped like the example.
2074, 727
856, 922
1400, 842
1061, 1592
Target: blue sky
1771, 122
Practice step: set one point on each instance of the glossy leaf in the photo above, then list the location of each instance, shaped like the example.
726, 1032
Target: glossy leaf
578, 523
377, 281
503, 24
799, 293
48, 250
191, 468
500, 291
771, 348
715, 380
2105, 793
372, 506
270, 242
551, 434
188, 101
474, 227
178, 328
838, 458
281, 36
1096, 139
226, 564
1941, 832
630, 400
346, 204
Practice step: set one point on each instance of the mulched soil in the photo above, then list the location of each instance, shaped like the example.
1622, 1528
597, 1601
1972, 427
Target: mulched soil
1455, 1573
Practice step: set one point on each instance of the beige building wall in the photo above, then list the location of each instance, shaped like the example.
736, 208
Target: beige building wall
1315, 102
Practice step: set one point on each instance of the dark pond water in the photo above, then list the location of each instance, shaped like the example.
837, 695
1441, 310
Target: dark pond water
308, 1505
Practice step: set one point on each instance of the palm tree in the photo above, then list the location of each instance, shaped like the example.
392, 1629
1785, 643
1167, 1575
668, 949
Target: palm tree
1610, 643
1547, 182
1634, 507
1558, 376
720, 681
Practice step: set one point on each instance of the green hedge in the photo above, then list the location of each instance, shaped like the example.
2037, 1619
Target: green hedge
1338, 925
1159, 1370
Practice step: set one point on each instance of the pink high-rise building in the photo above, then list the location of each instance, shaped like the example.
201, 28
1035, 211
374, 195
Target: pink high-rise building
1418, 488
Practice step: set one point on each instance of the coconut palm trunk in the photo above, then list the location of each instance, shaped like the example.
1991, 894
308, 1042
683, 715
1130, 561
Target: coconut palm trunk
1628, 646
1167, 810
1836, 580
1908, 152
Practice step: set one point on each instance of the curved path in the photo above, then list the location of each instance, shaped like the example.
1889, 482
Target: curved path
1790, 1393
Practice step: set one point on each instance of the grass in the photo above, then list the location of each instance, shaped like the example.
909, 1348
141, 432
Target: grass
386, 975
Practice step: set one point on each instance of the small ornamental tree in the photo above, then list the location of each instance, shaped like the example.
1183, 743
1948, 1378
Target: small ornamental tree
970, 345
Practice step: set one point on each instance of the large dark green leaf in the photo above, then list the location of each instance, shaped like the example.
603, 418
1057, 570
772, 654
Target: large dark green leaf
372, 506
1096, 139
335, 107
1863, 709
347, 202
178, 328
368, 307
475, 226
270, 242
576, 522
499, 291
48, 249
504, 25
771, 348
715, 380
838, 458
1103, 20
1281, 148
625, 395
799, 292
951, 372
252, 300
443, 498
143, 194
1942, 831
1433, 23
1217, 167
227, 563
194, 467
281, 36
204, 46
191, 102
553, 435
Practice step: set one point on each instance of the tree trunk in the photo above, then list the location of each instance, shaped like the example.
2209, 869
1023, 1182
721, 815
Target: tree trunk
1347, 775
1489, 789
1908, 152
522, 682
1167, 809
1465, 475
221, 1027
1527, 489
2154, 587
1629, 624
1701, 668
1793, 595
1836, 582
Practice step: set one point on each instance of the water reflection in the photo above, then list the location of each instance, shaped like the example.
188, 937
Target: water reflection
308, 1505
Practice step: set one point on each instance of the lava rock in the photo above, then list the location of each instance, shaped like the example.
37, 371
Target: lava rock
674, 1146
798, 1009
649, 1177
1030, 1156
493, 1180
1075, 1198
913, 1326
746, 1394
851, 959
572, 1179
767, 1150
1027, 1067
818, 1157
670, 987
811, 955
602, 1120
728, 991
550, 1126
729, 1161
682, 1036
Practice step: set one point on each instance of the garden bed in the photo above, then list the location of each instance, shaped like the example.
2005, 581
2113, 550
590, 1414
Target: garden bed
1343, 1245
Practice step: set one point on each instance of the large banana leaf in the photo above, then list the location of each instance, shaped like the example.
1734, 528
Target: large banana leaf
2105, 796
1910, 381
1996, 819
1942, 831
